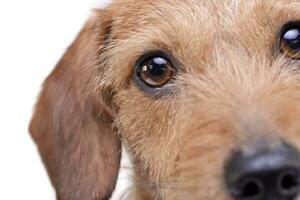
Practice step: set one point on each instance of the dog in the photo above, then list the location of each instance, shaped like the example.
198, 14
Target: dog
204, 95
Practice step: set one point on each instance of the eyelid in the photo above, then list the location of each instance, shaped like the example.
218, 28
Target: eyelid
154, 53
288, 26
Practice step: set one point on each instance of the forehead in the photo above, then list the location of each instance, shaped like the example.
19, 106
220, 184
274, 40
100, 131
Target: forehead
199, 12
192, 29
191, 21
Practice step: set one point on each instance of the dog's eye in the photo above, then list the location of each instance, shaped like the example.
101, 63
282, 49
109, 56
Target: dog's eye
290, 41
155, 71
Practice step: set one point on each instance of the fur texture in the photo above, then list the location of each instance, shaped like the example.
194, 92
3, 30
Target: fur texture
233, 88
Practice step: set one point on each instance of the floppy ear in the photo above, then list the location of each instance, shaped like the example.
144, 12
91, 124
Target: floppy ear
72, 125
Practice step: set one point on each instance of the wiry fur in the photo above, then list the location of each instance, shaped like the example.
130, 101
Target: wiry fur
233, 89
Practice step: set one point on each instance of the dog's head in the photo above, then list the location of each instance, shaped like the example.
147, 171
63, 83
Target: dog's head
205, 96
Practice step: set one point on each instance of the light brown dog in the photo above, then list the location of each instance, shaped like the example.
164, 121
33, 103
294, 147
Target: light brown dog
204, 95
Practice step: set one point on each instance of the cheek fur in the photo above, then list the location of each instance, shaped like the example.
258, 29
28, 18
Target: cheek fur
148, 131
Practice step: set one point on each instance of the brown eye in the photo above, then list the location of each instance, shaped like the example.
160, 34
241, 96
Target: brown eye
156, 71
290, 41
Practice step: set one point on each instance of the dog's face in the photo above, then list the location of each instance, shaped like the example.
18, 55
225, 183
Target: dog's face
205, 95
196, 81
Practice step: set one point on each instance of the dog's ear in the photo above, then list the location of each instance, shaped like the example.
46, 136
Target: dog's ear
72, 124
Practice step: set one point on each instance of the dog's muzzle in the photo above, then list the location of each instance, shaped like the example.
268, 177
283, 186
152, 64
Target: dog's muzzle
264, 174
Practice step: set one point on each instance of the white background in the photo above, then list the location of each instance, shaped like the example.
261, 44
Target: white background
33, 36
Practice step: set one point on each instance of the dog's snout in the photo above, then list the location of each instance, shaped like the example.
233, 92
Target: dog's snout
264, 174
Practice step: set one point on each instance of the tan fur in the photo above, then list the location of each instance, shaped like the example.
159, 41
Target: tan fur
233, 88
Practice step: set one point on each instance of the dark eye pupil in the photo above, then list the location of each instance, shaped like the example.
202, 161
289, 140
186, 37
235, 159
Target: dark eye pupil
157, 66
156, 71
292, 38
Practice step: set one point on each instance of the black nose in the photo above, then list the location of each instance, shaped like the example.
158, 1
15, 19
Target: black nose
272, 174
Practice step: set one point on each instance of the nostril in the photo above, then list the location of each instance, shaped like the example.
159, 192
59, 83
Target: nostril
288, 183
251, 189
